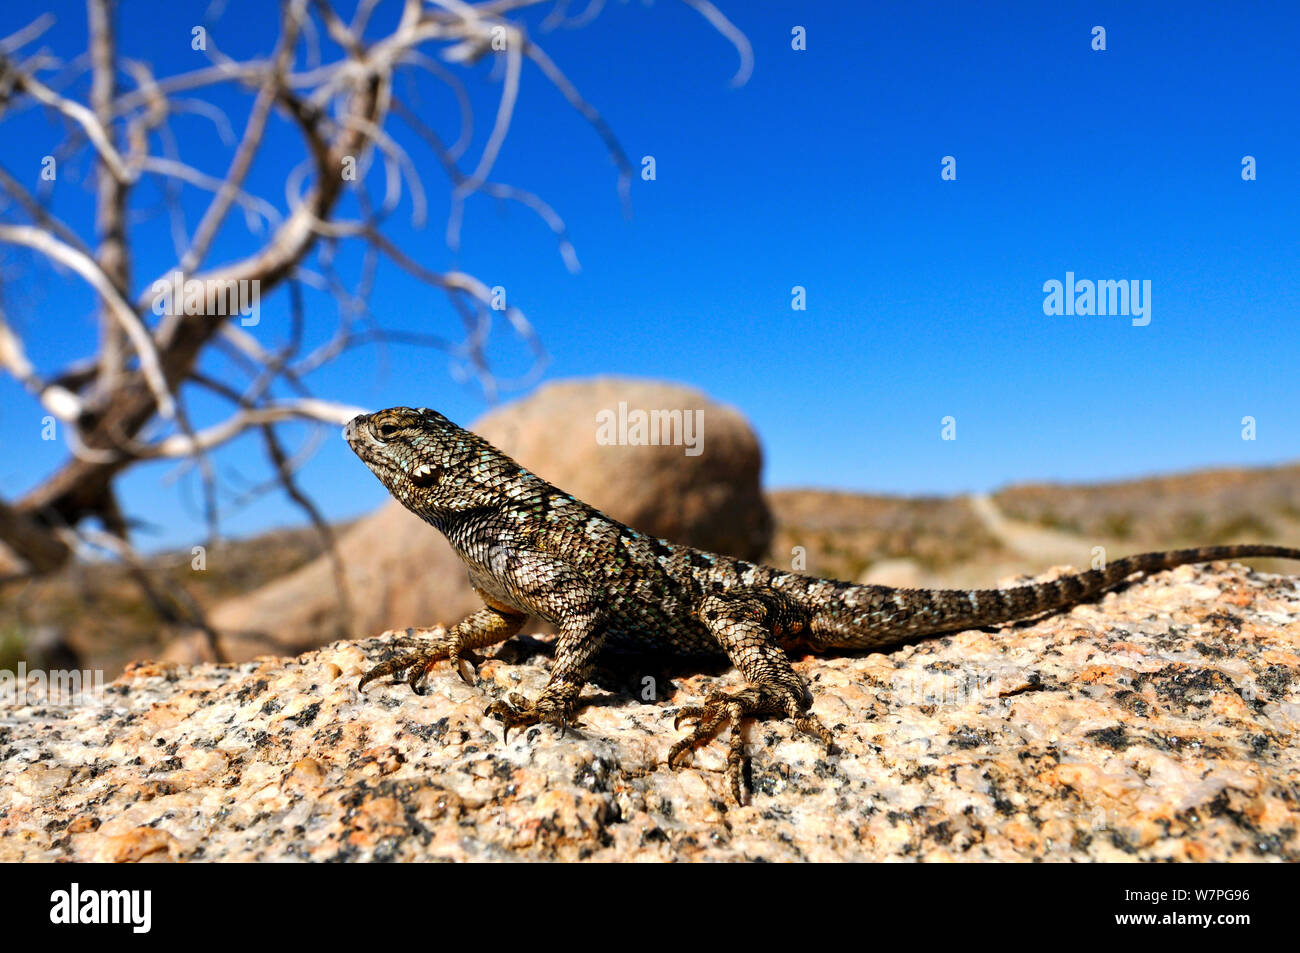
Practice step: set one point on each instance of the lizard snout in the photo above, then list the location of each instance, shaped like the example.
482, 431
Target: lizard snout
352, 431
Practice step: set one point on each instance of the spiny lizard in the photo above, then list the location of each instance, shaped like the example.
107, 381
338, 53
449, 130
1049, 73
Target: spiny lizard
533, 549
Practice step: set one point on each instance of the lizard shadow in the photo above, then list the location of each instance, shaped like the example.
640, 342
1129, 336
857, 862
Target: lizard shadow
627, 675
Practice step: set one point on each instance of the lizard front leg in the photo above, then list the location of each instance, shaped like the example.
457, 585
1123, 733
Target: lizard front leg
582, 634
487, 626
749, 625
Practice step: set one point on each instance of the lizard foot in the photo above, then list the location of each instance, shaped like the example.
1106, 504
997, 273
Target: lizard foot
720, 708
519, 712
416, 665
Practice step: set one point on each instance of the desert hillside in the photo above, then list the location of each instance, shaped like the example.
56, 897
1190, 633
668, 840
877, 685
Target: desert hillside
1205, 506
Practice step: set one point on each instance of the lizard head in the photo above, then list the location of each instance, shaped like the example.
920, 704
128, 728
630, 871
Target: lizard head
420, 456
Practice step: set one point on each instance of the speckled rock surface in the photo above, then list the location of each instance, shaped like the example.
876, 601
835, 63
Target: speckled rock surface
1162, 722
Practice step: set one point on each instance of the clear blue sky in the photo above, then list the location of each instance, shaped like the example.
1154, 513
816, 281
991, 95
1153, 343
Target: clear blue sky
924, 296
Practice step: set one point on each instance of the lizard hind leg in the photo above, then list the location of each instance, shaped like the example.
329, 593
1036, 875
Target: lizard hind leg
749, 625
487, 626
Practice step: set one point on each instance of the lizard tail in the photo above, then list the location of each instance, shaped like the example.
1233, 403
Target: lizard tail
866, 617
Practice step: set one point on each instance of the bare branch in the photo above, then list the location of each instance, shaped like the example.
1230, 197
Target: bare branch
54, 397
33, 30
588, 112
112, 189
505, 111
179, 170
728, 30
436, 69
78, 261
39, 213
180, 445
83, 117
243, 160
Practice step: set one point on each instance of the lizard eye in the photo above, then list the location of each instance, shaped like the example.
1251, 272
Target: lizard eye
387, 431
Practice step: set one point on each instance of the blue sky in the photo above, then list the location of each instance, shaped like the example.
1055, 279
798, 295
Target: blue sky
924, 296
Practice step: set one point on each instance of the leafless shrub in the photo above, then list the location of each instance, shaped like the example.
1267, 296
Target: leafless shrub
336, 83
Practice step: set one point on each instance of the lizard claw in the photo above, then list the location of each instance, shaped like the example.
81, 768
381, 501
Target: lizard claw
720, 709
460, 661
688, 711
566, 723
510, 716
415, 677
519, 711
396, 665
417, 664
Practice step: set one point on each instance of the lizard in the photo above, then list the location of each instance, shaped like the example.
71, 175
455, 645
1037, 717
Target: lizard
534, 550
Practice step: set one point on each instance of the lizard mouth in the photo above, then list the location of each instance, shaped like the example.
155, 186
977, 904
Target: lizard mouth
357, 435
371, 450
363, 444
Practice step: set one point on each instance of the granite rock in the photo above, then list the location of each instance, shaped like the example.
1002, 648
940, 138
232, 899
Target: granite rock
1159, 723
